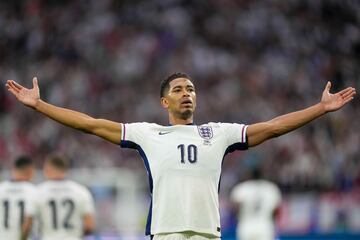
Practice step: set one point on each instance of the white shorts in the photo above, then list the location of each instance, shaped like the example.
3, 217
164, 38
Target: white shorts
184, 236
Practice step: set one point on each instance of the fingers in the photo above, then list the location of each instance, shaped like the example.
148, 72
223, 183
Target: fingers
348, 92
16, 85
13, 91
348, 99
35, 82
11, 86
344, 91
328, 86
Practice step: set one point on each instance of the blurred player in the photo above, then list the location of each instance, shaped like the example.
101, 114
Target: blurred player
17, 201
66, 208
183, 160
258, 201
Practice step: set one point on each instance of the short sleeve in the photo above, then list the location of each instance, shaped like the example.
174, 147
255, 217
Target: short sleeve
235, 135
277, 195
133, 134
88, 202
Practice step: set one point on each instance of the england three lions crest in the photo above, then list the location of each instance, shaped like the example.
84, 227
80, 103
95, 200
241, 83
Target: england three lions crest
205, 132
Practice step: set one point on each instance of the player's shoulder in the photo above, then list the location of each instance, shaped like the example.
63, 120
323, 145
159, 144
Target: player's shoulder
245, 185
141, 124
29, 185
223, 124
18, 184
49, 184
43, 184
20, 187
3, 185
77, 187
268, 184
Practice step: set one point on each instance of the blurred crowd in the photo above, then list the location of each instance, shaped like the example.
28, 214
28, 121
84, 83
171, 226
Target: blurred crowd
251, 60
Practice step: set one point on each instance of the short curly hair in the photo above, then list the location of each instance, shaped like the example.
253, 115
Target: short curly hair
165, 84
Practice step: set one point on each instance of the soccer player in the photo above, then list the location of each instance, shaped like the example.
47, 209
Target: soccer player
65, 208
183, 160
259, 201
17, 201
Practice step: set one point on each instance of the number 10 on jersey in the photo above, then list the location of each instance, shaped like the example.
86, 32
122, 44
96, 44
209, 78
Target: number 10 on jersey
189, 152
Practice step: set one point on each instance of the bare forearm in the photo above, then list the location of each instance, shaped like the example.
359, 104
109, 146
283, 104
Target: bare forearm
64, 116
288, 122
26, 228
89, 224
260, 132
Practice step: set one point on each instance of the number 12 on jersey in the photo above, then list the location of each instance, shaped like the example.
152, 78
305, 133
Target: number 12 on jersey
190, 151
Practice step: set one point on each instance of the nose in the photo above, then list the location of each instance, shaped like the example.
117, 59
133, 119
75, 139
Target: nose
186, 93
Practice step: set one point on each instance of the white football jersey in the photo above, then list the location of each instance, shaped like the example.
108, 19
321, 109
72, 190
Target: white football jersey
184, 166
258, 200
61, 207
17, 200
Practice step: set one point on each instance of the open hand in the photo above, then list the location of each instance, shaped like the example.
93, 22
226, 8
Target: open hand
29, 97
333, 102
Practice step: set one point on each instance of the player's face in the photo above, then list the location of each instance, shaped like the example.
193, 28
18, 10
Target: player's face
48, 170
27, 172
181, 98
30, 173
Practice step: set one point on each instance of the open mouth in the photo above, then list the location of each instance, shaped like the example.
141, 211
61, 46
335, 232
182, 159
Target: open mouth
186, 102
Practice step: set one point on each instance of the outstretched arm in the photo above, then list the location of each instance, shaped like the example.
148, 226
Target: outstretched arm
259, 132
103, 128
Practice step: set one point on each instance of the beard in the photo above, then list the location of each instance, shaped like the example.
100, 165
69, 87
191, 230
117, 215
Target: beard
186, 114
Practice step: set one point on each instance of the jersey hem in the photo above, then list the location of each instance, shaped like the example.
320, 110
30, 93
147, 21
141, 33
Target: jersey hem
179, 230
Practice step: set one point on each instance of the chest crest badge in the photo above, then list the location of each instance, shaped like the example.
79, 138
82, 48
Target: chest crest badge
205, 132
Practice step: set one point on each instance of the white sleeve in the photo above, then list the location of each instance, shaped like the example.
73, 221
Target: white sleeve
277, 195
133, 134
88, 202
235, 135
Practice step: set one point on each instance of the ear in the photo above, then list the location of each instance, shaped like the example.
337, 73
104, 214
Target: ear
164, 102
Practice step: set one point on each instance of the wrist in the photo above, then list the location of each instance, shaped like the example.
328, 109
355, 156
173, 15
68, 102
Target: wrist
37, 104
322, 108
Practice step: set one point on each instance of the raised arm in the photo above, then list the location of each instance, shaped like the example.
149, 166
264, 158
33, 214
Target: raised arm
259, 132
103, 128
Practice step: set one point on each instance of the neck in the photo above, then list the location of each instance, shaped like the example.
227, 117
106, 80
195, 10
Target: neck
17, 176
24, 179
59, 176
55, 175
179, 121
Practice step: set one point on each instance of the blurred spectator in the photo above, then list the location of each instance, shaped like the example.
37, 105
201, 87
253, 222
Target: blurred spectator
262, 58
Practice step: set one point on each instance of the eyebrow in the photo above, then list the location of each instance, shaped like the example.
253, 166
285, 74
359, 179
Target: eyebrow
187, 86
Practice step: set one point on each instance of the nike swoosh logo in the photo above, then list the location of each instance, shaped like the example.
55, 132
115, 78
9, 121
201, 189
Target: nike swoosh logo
163, 133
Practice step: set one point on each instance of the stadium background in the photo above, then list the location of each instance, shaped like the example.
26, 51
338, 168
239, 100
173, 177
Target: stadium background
251, 60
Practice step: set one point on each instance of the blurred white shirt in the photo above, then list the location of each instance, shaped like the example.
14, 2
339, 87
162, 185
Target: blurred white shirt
61, 207
17, 200
257, 199
184, 167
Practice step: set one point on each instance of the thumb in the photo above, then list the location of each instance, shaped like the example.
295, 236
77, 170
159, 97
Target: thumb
35, 82
328, 86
